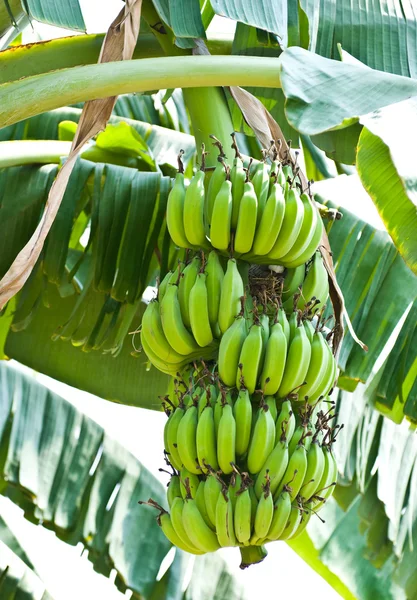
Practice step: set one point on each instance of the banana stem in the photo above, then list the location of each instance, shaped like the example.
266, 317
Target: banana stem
251, 555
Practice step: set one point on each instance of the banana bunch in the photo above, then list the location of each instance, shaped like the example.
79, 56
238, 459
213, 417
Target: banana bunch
277, 357
247, 469
257, 214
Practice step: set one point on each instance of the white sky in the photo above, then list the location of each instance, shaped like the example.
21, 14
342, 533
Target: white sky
66, 575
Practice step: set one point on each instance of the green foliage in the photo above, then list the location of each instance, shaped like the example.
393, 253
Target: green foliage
17, 580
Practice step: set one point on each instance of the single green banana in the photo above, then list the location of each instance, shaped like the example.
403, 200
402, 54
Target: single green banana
307, 231
229, 351
299, 433
214, 282
291, 225
285, 423
315, 470
154, 334
316, 284
173, 490
242, 516
275, 359
275, 467
164, 521
326, 485
293, 280
206, 440
243, 417
237, 177
306, 516
193, 482
293, 323
212, 489
308, 326
327, 382
221, 217
194, 226
295, 472
186, 284
175, 212
264, 512
264, 321
271, 222
199, 315
246, 222
201, 504
175, 331
293, 522
260, 181
177, 523
272, 405
165, 367
283, 321
217, 179
197, 529
250, 359
282, 510
234, 487
311, 248
254, 505
226, 440
186, 440
172, 436
224, 521
320, 357
262, 441
163, 286
231, 294
223, 399
298, 360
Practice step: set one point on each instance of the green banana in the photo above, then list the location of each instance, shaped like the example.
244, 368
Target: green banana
274, 362
320, 357
193, 482
201, 504
221, 217
311, 248
298, 360
283, 321
250, 359
262, 441
224, 398
165, 367
216, 181
307, 230
175, 212
234, 487
197, 529
171, 433
275, 467
316, 284
272, 405
246, 222
194, 226
308, 326
293, 280
226, 440
315, 470
295, 472
326, 383
293, 323
199, 315
224, 521
242, 516
206, 440
285, 423
271, 222
186, 284
291, 225
243, 417
164, 521
163, 285
154, 334
260, 181
282, 510
212, 489
174, 489
175, 331
264, 512
214, 281
299, 433
306, 516
230, 297
229, 351
177, 523
237, 177
186, 440
292, 523
325, 488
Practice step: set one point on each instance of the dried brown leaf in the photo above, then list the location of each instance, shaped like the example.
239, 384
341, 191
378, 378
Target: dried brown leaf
118, 44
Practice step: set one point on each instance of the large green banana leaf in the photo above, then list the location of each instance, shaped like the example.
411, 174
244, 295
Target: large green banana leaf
54, 12
70, 476
8, 538
17, 580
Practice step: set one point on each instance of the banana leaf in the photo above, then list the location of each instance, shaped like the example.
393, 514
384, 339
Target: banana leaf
17, 580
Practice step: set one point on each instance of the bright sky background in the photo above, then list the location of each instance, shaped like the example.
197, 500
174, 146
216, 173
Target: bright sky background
66, 575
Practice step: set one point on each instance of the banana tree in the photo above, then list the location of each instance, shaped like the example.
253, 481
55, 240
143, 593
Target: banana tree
344, 96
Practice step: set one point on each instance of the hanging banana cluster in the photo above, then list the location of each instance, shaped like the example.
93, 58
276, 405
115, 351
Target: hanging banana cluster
257, 213
249, 433
248, 469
